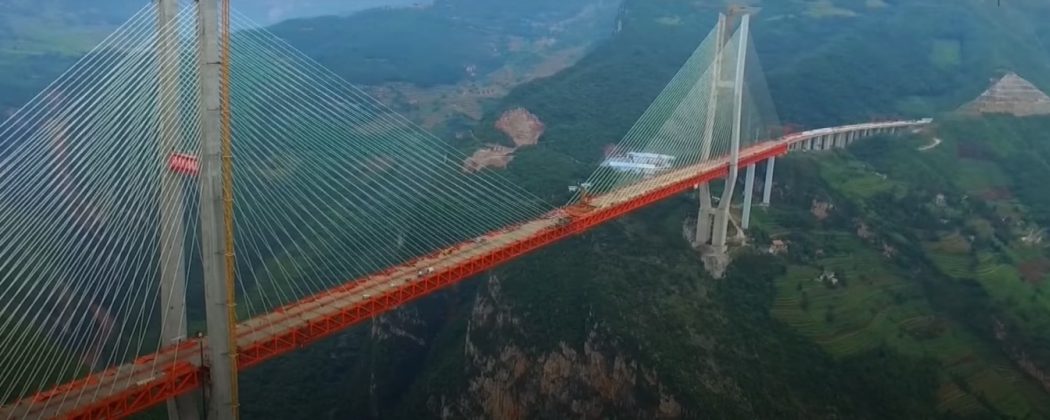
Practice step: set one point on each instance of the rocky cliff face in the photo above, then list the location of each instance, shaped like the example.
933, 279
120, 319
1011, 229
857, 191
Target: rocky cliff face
511, 380
1010, 95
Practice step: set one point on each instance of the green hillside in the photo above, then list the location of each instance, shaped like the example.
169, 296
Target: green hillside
622, 323
461, 39
934, 256
939, 305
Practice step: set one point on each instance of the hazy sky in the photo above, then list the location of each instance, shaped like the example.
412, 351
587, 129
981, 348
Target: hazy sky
272, 11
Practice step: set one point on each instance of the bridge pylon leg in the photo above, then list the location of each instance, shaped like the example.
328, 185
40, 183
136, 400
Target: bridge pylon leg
705, 219
216, 224
172, 202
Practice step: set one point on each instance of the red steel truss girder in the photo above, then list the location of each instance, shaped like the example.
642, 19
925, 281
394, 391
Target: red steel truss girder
186, 377
182, 379
341, 319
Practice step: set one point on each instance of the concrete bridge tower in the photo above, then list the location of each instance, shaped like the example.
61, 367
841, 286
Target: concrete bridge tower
216, 208
713, 223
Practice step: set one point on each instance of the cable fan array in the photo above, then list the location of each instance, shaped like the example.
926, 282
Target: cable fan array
330, 185
691, 121
100, 193
81, 192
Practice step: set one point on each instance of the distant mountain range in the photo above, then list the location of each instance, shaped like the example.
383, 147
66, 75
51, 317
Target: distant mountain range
115, 11
273, 11
40, 38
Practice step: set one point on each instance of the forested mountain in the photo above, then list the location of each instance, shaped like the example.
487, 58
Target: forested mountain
40, 39
463, 37
116, 11
937, 311
939, 308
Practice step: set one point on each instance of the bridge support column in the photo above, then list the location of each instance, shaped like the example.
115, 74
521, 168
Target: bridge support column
216, 200
767, 188
749, 192
172, 203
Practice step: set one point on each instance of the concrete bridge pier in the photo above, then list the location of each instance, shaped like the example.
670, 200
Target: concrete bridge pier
767, 187
749, 191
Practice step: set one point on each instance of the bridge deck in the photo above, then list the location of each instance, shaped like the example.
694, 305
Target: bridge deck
172, 371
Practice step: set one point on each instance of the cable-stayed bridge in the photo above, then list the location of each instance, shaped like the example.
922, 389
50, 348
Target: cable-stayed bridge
195, 173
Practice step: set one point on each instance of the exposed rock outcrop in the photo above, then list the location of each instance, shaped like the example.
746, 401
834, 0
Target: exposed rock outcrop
1010, 95
512, 381
523, 127
821, 209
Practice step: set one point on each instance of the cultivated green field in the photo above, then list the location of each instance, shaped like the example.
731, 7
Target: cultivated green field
889, 210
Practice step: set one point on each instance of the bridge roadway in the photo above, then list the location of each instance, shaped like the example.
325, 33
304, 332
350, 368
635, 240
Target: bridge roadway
172, 371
